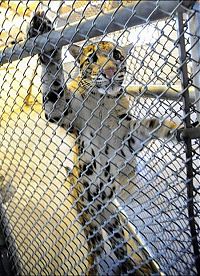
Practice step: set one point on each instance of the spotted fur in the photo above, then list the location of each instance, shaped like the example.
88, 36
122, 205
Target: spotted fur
96, 106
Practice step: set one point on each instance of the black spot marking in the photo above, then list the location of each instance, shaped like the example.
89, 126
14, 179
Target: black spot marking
134, 124
82, 199
110, 228
131, 142
169, 133
56, 83
153, 123
106, 149
66, 112
110, 195
54, 119
95, 164
46, 116
98, 252
85, 184
127, 117
108, 168
95, 58
103, 195
91, 134
123, 154
101, 185
90, 198
117, 235
117, 223
93, 153
92, 211
99, 207
53, 96
81, 147
72, 129
91, 233
122, 116
88, 169
97, 191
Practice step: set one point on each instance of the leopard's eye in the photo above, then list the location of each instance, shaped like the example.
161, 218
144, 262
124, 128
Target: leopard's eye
117, 55
93, 57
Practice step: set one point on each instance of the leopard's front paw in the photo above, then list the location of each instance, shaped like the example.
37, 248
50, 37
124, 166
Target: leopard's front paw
39, 24
167, 129
159, 128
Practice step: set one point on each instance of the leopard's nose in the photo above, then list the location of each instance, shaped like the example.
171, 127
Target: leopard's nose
109, 72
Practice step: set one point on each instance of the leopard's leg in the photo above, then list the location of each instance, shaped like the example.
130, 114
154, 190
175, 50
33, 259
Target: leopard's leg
115, 230
93, 233
100, 212
152, 128
56, 98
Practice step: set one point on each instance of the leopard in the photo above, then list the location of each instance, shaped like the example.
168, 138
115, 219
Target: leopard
96, 106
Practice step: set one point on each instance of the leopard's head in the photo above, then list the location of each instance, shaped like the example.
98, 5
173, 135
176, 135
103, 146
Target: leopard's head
102, 65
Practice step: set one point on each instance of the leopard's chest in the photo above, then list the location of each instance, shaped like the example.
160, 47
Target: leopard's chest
105, 164
104, 155
103, 135
105, 142
99, 113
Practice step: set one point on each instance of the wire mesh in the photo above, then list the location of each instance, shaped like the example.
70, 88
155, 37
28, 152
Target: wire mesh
58, 215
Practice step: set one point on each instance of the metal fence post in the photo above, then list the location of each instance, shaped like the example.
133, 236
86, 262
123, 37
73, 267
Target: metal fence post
187, 141
194, 24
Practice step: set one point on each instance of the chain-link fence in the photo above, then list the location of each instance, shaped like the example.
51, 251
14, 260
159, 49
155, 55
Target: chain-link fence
96, 191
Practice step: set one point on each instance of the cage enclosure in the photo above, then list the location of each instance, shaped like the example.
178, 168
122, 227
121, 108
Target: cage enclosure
78, 196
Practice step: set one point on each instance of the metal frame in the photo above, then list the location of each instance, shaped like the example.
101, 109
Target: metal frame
128, 16
195, 53
188, 144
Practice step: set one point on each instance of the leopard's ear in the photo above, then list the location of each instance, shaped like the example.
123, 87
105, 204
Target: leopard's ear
127, 48
75, 51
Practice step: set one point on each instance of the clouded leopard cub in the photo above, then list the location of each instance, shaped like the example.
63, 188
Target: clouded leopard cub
96, 106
